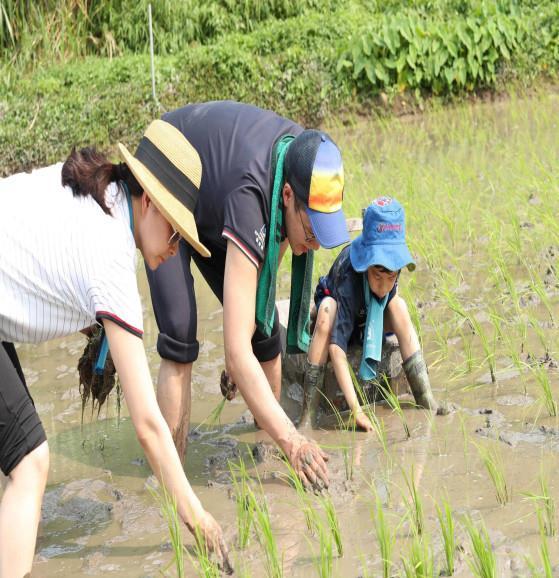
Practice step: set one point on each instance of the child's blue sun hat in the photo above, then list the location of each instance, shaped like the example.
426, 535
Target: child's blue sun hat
383, 241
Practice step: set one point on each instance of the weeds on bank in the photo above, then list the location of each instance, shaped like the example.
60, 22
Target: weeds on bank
483, 563
494, 465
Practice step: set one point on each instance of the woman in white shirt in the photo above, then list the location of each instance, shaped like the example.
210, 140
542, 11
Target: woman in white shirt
68, 239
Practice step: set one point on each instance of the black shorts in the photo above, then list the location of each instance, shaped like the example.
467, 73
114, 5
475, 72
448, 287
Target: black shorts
21, 430
174, 304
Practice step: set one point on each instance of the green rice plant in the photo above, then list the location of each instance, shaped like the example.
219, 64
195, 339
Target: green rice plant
466, 440
536, 326
324, 562
545, 505
333, 523
378, 424
207, 567
214, 417
392, 399
415, 505
245, 505
483, 563
446, 522
538, 287
386, 537
420, 563
494, 465
546, 394
273, 561
305, 505
544, 547
168, 506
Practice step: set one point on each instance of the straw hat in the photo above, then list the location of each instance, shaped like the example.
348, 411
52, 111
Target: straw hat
169, 169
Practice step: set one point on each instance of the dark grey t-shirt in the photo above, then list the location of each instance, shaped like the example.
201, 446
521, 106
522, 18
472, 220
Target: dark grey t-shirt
235, 143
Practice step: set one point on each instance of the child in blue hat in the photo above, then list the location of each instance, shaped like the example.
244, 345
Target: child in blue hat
356, 303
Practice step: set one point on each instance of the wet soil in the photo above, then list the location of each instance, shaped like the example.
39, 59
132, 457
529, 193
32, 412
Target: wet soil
100, 519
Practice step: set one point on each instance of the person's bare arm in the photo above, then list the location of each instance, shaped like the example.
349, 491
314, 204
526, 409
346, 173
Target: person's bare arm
154, 435
341, 370
239, 305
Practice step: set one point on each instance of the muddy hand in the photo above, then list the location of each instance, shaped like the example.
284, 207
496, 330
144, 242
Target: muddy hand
309, 462
363, 422
228, 388
209, 532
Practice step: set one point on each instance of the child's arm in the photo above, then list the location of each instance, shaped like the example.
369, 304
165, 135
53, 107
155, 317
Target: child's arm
341, 370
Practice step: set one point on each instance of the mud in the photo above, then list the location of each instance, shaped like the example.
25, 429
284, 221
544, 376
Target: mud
98, 516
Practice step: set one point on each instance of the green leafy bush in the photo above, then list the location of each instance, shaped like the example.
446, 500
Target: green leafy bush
410, 51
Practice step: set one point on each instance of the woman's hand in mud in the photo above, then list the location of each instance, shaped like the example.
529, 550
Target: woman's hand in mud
208, 531
309, 462
363, 422
228, 388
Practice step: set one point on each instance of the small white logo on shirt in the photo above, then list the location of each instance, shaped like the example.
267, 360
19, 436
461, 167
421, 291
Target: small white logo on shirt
261, 237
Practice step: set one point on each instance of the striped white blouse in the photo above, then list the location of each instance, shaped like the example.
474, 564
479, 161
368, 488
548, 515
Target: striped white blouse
64, 263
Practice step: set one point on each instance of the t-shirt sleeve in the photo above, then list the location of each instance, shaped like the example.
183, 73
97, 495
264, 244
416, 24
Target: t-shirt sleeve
113, 290
245, 222
346, 312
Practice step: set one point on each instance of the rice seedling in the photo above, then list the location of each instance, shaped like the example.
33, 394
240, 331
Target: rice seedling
245, 505
420, 563
324, 562
386, 537
214, 416
483, 563
273, 562
544, 550
415, 505
311, 520
333, 523
392, 400
545, 505
494, 465
446, 522
546, 394
466, 440
378, 424
207, 567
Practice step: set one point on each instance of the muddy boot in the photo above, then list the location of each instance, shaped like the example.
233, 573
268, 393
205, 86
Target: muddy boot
418, 378
313, 384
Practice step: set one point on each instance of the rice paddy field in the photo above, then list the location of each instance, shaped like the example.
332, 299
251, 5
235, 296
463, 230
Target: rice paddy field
469, 494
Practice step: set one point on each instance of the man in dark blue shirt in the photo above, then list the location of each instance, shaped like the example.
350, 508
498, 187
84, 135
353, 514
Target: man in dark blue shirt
239, 146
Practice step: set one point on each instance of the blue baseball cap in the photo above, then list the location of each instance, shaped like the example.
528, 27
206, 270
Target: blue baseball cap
314, 170
383, 241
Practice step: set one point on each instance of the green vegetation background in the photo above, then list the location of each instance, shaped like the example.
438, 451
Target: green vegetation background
77, 72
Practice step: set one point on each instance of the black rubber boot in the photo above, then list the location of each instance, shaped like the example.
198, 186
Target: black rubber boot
313, 384
418, 378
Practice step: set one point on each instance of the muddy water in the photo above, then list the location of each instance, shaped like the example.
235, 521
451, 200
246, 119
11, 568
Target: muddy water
100, 519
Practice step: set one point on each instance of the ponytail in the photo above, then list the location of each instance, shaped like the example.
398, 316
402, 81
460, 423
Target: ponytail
88, 172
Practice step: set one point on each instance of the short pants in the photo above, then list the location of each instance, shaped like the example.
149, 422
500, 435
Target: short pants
21, 430
174, 304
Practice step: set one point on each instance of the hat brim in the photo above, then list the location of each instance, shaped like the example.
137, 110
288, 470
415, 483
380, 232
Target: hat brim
390, 256
168, 205
330, 229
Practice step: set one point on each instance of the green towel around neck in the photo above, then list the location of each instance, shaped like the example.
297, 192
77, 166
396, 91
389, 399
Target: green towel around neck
372, 336
298, 336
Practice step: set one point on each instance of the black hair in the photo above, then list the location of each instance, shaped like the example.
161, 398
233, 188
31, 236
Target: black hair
89, 172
